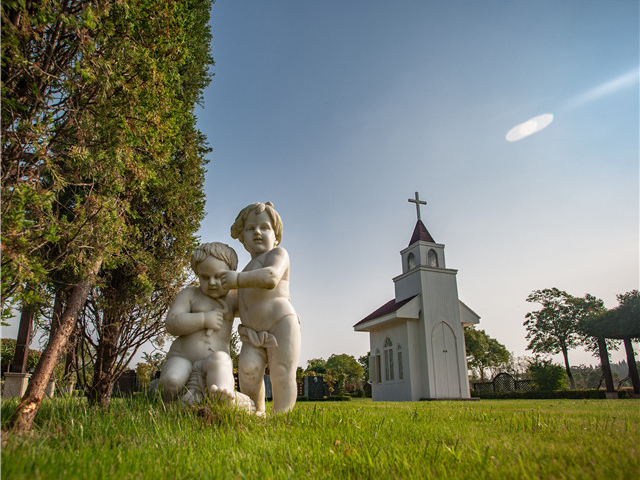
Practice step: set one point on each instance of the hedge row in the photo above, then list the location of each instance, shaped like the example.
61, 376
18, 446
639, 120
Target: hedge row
549, 394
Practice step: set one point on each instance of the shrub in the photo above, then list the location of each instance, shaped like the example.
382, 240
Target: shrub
546, 375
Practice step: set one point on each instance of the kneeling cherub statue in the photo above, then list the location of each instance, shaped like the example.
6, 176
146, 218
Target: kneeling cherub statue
198, 362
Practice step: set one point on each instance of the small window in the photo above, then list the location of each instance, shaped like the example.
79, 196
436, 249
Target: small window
411, 261
432, 258
388, 359
372, 369
400, 372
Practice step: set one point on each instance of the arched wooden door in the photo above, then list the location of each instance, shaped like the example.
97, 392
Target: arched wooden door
445, 362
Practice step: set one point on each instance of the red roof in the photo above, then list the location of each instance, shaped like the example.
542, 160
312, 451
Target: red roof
387, 308
421, 233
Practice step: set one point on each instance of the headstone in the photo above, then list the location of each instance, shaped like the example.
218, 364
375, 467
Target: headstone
268, 392
127, 384
314, 387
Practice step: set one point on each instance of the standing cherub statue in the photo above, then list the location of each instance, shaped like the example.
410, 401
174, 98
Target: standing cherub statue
202, 318
270, 329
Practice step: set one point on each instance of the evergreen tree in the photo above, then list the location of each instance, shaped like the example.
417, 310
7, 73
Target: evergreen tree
97, 127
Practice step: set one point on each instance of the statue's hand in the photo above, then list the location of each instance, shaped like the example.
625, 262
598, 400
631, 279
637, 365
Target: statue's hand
229, 279
213, 320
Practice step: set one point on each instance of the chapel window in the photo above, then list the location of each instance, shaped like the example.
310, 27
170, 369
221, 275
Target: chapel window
373, 376
388, 359
400, 371
432, 258
411, 261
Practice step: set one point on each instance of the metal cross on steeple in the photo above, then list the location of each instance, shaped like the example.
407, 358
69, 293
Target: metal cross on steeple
418, 202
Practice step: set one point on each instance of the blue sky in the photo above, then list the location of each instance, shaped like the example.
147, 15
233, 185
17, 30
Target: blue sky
339, 111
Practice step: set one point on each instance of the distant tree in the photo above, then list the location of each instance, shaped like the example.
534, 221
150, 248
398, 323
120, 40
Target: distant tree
555, 327
316, 366
364, 362
483, 351
147, 368
517, 367
623, 323
546, 375
346, 371
591, 377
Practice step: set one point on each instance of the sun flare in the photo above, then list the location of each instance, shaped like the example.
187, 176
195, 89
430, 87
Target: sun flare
531, 126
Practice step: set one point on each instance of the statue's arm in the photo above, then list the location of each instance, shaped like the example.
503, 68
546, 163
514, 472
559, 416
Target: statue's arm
275, 266
180, 319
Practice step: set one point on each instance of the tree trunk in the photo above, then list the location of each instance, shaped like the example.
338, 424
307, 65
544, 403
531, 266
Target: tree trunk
69, 363
633, 369
567, 368
104, 375
23, 419
604, 361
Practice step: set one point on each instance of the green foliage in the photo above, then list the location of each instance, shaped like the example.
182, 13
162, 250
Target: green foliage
364, 362
549, 395
483, 351
345, 372
556, 326
317, 366
620, 322
146, 369
101, 159
489, 439
546, 375
8, 352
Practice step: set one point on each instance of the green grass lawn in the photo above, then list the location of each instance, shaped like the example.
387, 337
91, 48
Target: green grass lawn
136, 438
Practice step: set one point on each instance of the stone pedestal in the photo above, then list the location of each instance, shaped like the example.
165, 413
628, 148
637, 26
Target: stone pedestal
15, 384
611, 395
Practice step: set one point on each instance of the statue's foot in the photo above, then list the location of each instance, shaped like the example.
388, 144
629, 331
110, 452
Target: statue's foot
191, 397
230, 396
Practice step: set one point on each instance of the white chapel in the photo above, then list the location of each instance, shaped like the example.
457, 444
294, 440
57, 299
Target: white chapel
417, 339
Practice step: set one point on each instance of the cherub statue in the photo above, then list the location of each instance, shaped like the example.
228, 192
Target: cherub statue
202, 318
270, 327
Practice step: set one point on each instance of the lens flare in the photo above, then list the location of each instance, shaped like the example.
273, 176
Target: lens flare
531, 126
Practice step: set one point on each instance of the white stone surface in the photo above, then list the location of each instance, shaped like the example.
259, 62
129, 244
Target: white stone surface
15, 384
270, 327
198, 363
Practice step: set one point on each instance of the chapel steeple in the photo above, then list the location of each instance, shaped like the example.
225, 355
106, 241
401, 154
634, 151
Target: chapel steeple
421, 233
423, 251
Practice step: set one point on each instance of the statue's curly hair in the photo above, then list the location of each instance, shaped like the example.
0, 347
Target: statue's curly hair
218, 250
257, 208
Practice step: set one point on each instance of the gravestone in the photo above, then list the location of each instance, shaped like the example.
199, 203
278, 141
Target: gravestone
314, 387
127, 384
268, 392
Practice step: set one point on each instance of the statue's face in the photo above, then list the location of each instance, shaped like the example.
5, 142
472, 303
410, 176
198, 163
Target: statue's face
258, 235
208, 273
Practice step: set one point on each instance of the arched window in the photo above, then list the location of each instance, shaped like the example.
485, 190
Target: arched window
388, 359
411, 260
400, 372
432, 258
